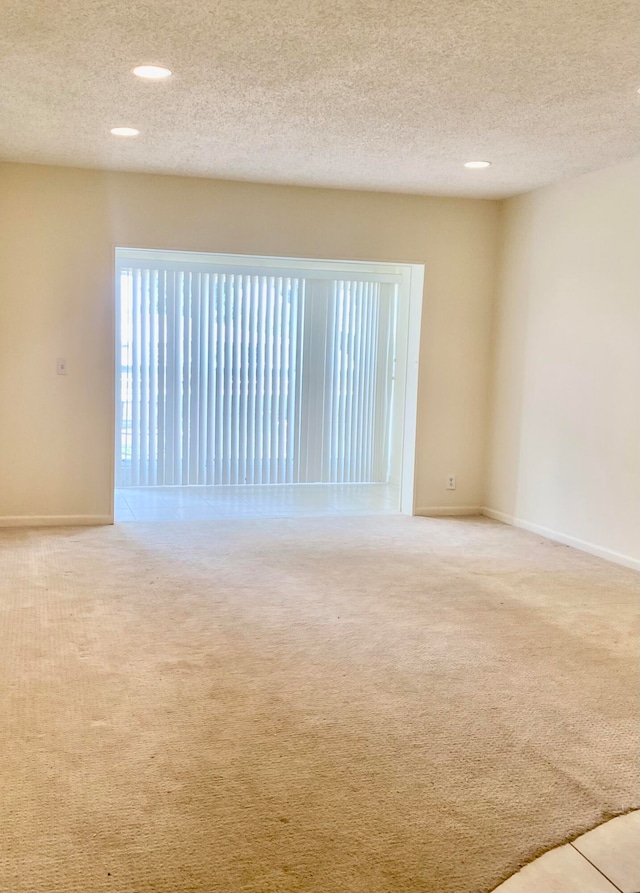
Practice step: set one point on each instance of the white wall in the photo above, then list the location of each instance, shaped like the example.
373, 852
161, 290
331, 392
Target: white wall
564, 436
58, 228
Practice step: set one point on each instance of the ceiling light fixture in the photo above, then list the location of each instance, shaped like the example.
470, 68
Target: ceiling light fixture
151, 72
477, 164
124, 131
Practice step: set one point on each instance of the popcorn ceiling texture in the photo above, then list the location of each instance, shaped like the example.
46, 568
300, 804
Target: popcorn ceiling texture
369, 94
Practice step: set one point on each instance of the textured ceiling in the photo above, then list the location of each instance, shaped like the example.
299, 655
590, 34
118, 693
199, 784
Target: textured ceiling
375, 94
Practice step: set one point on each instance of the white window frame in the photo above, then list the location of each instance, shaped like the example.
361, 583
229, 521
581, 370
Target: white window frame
410, 279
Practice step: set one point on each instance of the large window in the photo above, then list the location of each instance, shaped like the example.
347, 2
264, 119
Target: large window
254, 371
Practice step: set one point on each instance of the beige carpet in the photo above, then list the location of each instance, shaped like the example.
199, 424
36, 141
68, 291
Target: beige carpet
349, 704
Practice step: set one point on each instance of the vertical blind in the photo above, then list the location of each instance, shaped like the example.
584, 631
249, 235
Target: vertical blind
260, 377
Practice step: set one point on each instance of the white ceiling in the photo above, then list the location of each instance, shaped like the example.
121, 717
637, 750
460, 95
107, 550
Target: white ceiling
374, 94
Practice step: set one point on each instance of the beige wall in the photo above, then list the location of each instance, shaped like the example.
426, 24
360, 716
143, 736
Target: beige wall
58, 228
564, 442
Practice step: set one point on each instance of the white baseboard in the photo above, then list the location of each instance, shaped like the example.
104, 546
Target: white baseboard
448, 511
565, 539
54, 520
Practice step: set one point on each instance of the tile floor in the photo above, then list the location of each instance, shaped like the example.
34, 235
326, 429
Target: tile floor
605, 860
277, 501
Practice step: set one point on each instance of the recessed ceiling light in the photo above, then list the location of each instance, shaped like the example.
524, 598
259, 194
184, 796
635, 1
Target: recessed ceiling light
151, 72
124, 131
477, 164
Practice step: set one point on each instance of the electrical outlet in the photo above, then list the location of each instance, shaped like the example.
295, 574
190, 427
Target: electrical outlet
451, 482
61, 366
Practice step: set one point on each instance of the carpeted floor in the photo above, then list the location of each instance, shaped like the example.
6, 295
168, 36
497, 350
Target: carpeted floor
346, 704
